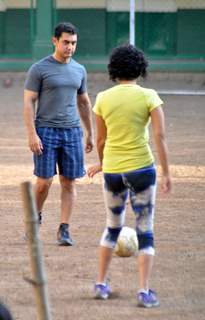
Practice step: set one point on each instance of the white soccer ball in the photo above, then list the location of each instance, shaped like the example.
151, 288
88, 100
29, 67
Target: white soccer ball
127, 243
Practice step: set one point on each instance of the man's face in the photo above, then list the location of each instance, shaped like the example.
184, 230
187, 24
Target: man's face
65, 46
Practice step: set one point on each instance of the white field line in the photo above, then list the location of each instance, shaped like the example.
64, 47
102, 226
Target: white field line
182, 92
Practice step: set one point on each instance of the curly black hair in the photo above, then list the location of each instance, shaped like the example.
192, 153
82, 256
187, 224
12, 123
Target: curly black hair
127, 63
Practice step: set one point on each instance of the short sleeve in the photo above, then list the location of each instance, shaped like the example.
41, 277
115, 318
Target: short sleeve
97, 106
83, 87
153, 100
33, 79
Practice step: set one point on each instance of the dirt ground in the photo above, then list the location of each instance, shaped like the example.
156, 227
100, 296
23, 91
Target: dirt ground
179, 270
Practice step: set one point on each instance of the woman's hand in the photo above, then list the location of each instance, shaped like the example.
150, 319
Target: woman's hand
166, 184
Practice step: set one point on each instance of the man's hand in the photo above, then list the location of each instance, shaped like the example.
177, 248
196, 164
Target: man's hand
89, 143
93, 170
35, 144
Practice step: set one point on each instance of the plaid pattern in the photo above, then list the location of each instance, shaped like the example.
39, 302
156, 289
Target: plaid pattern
62, 148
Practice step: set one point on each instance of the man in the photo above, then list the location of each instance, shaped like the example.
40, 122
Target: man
58, 84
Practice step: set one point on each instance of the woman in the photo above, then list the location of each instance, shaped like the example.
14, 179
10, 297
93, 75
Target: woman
123, 113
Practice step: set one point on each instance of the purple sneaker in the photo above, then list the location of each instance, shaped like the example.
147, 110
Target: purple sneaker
147, 300
102, 291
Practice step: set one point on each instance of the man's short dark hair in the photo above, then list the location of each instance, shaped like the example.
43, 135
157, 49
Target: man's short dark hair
127, 63
64, 27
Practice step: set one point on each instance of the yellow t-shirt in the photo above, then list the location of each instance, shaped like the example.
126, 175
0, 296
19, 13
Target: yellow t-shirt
126, 108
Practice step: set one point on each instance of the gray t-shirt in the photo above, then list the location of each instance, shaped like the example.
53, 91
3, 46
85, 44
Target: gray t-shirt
57, 85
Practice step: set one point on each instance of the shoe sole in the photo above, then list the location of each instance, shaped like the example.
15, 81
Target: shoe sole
64, 243
150, 305
99, 296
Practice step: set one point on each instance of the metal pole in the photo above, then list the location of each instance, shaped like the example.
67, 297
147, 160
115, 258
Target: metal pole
132, 22
31, 23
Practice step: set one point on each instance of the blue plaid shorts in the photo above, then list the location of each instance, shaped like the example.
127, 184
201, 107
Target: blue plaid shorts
62, 148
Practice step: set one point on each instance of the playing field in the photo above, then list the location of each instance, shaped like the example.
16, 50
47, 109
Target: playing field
179, 271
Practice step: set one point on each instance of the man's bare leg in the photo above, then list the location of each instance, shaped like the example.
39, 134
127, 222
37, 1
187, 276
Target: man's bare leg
68, 195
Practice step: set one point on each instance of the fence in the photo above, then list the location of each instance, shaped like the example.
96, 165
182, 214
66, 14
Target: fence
171, 29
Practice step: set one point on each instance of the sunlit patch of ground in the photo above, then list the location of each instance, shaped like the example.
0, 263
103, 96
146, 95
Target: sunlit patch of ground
16, 174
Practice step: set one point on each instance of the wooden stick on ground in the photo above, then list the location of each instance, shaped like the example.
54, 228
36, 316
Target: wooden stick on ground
39, 280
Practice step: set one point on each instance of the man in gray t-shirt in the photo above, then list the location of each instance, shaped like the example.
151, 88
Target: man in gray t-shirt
57, 86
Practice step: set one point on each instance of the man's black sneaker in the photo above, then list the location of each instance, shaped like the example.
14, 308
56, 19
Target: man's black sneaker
63, 237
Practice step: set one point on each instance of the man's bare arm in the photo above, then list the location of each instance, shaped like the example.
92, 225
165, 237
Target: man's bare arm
30, 98
84, 107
